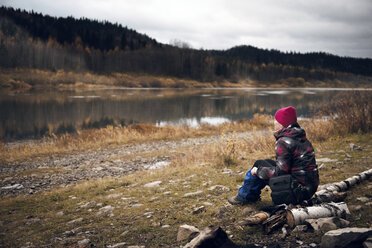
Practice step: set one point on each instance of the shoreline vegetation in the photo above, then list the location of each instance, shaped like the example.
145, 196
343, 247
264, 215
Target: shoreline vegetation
119, 209
348, 114
24, 80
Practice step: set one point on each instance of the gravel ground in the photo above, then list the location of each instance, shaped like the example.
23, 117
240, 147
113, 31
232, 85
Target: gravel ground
33, 175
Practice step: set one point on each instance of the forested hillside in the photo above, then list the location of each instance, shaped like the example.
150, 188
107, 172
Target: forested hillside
32, 40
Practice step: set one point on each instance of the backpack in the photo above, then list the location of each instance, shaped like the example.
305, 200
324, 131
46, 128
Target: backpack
285, 189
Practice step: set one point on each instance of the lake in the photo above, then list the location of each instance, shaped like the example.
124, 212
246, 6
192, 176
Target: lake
34, 114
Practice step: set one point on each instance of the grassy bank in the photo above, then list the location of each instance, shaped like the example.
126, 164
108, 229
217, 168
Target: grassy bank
122, 209
20, 80
115, 210
115, 136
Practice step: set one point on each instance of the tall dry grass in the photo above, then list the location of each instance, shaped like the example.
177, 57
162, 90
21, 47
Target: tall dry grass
113, 136
350, 112
13, 79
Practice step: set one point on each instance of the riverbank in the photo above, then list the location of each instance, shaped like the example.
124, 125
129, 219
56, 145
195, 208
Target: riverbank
146, 207
23, 80
194, 171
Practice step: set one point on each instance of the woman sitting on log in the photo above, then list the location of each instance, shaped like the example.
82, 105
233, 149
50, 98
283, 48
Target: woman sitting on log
293, 176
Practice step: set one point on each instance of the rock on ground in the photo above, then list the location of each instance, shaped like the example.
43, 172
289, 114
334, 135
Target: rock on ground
152, 184
327, 224
211, 236
83, 243
193, 193
219, 188
118, 245
344, 237
185, 231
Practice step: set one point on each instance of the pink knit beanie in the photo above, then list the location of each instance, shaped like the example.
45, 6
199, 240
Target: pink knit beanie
286, 116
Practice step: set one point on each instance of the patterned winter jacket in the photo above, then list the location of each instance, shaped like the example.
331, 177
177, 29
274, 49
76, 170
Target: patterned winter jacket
294, 155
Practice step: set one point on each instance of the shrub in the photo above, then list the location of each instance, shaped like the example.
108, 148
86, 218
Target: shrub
350, 113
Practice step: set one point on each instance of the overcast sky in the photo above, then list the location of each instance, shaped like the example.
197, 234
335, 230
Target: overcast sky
342, 27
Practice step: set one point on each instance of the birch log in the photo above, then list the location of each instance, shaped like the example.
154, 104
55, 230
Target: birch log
297, 216
331, 192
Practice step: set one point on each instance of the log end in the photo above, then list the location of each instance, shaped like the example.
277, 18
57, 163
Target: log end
290, 219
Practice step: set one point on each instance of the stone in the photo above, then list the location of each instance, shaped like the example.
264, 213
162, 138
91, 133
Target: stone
118, 245
219, 188
148, 213
227, 171
152, 184
193, 193
113, 195
60, 213
322, 165
211, 236
355, 207
198, 210
137, 205
105, 210
344, 237
300, 228
86, 204
248, 210
325, 160
75, 221
207, 204
368, 242
327, 224
222, 211
154, 198
32, 220
363, 199
313, 245
136, 246
84, 243
354, 147
15, 186
186, 231
165, 226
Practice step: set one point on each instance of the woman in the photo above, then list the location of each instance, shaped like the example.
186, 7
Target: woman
294, 156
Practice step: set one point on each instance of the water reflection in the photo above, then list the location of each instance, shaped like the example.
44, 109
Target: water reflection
39, 113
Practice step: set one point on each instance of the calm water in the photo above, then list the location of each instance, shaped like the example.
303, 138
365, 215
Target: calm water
35, 114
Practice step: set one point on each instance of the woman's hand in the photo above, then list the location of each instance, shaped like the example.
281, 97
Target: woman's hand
254, 171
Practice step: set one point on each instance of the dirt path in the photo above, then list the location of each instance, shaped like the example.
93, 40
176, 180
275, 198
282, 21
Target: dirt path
30, 176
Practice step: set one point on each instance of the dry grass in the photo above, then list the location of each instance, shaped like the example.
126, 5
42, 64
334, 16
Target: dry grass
34, 218
113, 136
351, 112
26, 79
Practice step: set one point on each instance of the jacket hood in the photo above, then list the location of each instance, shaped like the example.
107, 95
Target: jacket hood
293, 131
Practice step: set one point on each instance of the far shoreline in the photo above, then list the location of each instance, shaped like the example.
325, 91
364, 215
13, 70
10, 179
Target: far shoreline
26, 80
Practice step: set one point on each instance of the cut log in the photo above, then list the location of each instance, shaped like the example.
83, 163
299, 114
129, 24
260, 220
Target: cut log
255, 219
298, 216
275, 221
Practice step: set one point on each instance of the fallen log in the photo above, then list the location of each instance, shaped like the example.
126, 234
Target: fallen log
331, 192
274, 217
297, 216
